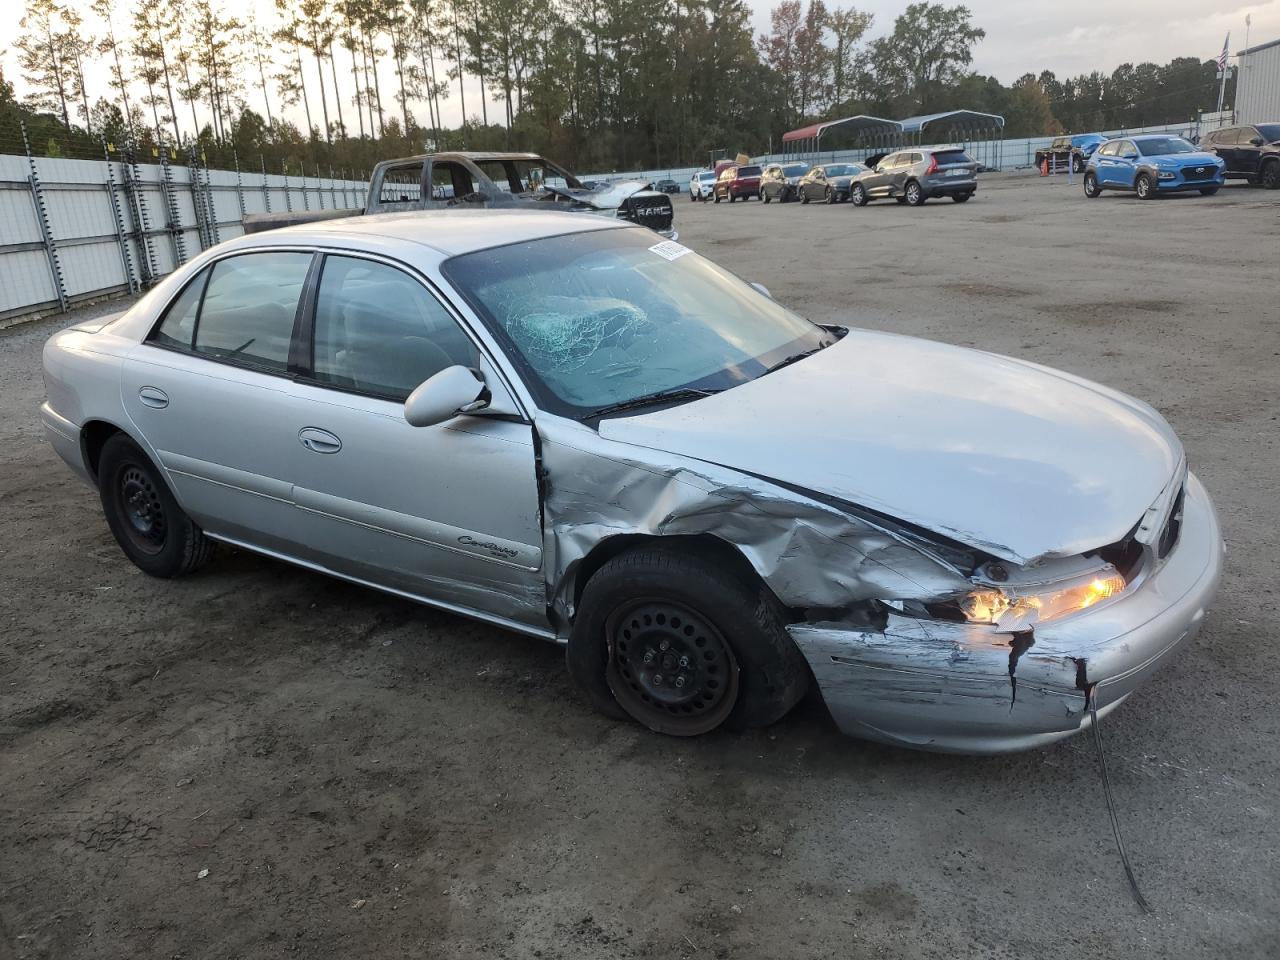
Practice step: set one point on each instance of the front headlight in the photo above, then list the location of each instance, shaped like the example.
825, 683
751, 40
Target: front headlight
1013, 608
1166, 174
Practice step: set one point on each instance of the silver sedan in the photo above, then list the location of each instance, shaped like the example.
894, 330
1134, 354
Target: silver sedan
566, 427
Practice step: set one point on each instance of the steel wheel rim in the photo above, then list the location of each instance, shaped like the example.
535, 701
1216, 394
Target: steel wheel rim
670, 667
141, 509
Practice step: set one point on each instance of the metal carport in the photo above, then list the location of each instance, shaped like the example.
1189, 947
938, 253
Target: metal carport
869, 134
968, 128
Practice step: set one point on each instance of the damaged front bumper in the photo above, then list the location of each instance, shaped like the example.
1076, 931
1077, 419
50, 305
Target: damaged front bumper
968, 688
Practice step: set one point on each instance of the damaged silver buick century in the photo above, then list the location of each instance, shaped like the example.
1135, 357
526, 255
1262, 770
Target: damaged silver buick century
563, 426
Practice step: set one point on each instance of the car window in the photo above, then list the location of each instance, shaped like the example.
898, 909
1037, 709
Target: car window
1269, 132
450, 180
401, 186
748, 171
249, 306
1109, 149
380, 331
952, 156
728, 173
179, 321
1163, 146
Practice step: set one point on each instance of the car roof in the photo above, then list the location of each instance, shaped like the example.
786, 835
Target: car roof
1152, 136
449, 232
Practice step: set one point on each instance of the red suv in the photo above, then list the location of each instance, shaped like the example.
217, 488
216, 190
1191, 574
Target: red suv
737, 183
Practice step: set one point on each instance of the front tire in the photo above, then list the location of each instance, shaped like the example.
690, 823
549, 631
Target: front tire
1091, 188
830, 195
1144, 187
915, 194
858, 195
804, 196
961, 197
683, 646
764, 196
153, 531
717, 196
1271, 175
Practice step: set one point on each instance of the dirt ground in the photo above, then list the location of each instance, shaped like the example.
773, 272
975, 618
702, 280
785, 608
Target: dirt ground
259, 761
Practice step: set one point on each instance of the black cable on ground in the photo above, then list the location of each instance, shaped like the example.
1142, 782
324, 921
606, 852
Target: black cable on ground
1111, 803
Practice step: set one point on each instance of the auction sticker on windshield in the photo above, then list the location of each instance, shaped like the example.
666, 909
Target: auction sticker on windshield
670, 250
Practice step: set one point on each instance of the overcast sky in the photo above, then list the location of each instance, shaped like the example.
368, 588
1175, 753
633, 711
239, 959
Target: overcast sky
1067, 37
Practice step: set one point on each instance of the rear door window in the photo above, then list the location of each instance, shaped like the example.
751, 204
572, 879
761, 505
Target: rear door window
401, 187
249, 306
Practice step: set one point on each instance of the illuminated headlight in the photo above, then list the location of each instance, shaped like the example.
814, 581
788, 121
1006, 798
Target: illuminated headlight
1009, 608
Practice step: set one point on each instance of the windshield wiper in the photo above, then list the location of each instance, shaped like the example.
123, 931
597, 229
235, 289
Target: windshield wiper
650, 399
786, 361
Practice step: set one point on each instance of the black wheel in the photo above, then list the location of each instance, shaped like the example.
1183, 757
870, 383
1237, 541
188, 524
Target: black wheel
693, 198
804, 196
1144, 187
717, 196
683, 646
764, 196
1091, 188
1077, 164
830, 195
858, 195
915, 194
1271, 175
152, 530
961, 197
733, 197
1208, 191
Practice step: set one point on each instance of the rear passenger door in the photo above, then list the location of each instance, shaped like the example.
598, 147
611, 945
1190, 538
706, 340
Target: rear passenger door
210, 392
448, 512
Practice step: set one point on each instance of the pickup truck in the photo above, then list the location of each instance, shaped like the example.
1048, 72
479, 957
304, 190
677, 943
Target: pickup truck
1076, 150
488, 180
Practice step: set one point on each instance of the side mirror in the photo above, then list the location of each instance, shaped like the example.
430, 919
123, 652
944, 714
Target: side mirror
762, 288
1256, 141
452, 391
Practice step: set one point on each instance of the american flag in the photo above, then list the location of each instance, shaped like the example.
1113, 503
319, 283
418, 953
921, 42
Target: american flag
1222, 57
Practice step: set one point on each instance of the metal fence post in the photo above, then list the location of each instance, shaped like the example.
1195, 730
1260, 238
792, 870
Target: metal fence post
288, 200
126, 259
266, 191
174, 224
239, 185
138, 211
42, 217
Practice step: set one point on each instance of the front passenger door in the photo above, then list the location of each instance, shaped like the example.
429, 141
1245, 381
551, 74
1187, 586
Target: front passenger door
447, 512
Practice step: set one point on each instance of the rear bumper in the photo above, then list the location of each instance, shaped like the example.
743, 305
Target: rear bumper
64, 437
961, 688
935, 187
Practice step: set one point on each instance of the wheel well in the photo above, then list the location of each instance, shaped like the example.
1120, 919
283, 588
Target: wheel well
93, 436
705, 545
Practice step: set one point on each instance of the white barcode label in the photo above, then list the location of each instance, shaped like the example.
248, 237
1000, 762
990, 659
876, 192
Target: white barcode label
670, 250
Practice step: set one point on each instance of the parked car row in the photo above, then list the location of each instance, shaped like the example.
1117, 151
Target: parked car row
908, 176
1152, 164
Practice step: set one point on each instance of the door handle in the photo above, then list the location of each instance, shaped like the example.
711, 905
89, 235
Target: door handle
153, 397
319, 441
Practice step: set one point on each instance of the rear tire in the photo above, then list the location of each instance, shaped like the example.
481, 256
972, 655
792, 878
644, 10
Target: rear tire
733, 197
804, 196
683, 646
961, 197
1144, 187
1091, 188
764, 196
1271, 175
830, 195
153, 531
915, 194
717, 196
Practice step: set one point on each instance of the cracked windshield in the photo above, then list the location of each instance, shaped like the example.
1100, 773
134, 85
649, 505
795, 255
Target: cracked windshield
605, 317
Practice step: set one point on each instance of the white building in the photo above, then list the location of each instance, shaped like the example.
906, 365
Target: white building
1258, 83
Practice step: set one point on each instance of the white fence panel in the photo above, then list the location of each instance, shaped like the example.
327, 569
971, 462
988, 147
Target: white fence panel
90, 228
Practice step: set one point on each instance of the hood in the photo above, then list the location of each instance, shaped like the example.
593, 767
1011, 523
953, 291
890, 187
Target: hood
1008, 457
1186, 159
609, 197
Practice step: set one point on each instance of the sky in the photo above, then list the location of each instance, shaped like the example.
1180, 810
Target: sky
1068, 37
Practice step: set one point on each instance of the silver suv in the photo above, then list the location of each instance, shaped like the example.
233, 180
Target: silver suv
913, 176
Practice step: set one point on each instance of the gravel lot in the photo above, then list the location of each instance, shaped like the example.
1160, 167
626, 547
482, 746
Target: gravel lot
363, 777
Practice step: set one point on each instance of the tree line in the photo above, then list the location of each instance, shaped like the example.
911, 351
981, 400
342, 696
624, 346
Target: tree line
599, 84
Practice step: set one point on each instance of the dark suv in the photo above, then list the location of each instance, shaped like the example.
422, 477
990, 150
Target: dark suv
738, 183
1251, 152
1075, 149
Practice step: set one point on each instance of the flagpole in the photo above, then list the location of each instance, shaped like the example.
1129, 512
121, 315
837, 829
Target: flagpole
1222, 69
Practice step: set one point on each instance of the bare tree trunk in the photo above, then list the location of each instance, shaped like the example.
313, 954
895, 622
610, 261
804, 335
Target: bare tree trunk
302, 85
457, 46
324, 99
377, 85
124, 90
337, 97
355, 78
262, 77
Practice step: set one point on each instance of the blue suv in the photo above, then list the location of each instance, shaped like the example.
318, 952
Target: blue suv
1150, 165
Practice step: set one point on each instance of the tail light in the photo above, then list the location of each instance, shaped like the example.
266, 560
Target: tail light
933, 164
